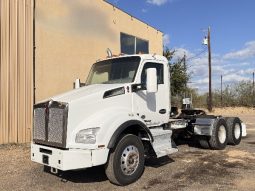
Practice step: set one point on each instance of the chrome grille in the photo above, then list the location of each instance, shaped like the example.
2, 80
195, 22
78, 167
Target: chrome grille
39, 123
50, 123
55, 126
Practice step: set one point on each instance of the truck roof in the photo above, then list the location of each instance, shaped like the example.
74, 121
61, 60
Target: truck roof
142, 56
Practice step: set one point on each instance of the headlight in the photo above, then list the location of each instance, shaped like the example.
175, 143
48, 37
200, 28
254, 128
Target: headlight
87, 136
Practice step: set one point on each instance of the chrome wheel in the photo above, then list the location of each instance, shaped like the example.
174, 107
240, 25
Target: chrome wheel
237, 131
222, 134
129, 160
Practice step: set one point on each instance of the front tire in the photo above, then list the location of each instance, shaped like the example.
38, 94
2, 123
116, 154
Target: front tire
219, 138
126, 161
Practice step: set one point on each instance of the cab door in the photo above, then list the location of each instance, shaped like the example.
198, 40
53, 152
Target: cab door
153, 108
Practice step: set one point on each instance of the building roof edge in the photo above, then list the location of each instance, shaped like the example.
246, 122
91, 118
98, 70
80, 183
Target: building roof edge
132, 16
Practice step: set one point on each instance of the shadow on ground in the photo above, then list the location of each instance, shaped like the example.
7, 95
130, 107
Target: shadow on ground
158, 162
94, 174
97, 174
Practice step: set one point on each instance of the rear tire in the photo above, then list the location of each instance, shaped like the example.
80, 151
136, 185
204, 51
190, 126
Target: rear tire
126, 161
219, 138
204, 143
234, 130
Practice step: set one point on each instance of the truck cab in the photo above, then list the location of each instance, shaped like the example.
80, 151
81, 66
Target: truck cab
125, 101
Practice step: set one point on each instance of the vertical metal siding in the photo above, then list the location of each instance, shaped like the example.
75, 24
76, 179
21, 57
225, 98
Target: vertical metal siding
16, 70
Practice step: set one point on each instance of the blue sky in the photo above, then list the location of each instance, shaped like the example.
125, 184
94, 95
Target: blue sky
184, 23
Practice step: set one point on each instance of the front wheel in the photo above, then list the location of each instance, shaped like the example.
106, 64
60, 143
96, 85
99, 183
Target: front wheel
126, 161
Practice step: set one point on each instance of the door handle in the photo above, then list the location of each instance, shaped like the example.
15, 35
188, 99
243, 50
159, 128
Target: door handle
162, 111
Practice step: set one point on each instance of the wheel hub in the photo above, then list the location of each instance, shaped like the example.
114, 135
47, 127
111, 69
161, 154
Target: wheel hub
222, 134
129, 160
237, 131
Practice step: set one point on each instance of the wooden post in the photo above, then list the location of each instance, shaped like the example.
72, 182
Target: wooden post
210, 71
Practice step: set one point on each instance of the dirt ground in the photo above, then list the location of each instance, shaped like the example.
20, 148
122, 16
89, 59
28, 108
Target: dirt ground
191, 168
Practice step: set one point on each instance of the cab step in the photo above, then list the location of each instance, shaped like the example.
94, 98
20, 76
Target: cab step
163, 144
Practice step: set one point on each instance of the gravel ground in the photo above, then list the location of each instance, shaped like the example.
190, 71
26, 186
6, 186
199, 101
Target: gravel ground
189, 169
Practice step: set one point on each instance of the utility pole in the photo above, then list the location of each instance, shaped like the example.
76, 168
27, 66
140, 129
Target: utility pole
221, 99
210, 70
184, 60
184, 63
253, 92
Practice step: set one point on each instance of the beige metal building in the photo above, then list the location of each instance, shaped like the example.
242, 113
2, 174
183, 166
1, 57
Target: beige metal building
16, 70
69, 36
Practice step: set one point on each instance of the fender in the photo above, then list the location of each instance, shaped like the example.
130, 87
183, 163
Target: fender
204, 125
123, 127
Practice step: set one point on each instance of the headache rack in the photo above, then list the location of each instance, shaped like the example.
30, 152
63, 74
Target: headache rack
50, 123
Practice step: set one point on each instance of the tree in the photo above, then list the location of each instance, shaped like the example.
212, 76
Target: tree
233, 95
168, 54
178, 71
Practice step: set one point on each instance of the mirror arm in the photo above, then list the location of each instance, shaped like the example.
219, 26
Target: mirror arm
138, 87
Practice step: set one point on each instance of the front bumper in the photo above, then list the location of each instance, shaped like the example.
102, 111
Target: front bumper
70, 159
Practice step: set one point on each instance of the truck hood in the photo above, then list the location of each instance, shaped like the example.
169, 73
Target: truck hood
95, 90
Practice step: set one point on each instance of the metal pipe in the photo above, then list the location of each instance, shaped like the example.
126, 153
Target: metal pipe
34, 88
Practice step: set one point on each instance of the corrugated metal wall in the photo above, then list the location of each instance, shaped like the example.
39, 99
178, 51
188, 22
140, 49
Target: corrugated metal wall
16, 70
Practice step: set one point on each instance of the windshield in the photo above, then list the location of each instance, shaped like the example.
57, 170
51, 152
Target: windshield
114, 71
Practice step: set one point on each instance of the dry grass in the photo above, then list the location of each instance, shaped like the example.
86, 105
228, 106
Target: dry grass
234, 111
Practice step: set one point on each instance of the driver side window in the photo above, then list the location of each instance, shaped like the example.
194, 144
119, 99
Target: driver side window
160, 72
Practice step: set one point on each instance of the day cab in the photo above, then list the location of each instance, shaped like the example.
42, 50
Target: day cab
116, 119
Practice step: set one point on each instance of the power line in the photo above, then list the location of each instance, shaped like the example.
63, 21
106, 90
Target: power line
185, 59
197, 55
193, 57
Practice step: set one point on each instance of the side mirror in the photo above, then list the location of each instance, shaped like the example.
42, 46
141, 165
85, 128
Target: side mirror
151, 81
77, 84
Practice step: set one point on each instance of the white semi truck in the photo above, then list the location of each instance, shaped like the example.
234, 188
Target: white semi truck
121, 115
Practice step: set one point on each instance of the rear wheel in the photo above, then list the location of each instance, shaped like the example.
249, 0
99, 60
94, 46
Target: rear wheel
234, 130
126, 161
219, 137
204, 143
